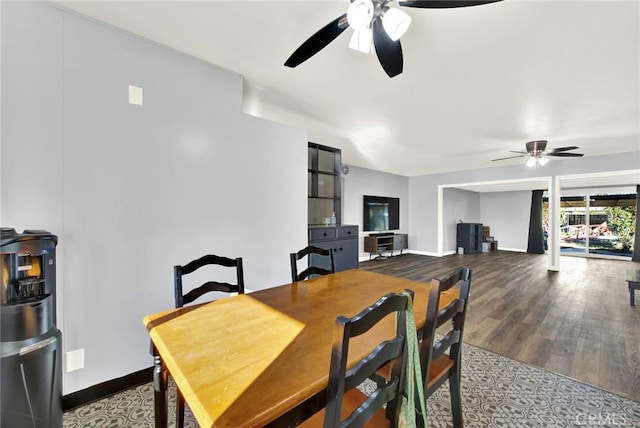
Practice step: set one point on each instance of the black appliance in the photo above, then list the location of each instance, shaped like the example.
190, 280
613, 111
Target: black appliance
30, 343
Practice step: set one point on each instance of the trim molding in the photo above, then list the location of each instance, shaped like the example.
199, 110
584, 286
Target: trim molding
105, 389
517, 250
424, 253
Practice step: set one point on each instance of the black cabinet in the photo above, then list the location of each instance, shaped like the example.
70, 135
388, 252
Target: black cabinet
470, 237
343, 240
324, 186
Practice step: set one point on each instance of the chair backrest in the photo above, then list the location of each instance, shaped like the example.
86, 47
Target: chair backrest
393, 350
311, 270
430, 349
195, 293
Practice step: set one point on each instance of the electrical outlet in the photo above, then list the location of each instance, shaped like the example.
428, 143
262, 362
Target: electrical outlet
75, 360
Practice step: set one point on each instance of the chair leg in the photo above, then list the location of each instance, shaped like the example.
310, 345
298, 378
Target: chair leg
419, 420
456, 399
179, 409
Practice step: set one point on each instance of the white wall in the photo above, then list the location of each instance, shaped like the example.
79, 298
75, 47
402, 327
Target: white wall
362, 181
507, 214
133, 190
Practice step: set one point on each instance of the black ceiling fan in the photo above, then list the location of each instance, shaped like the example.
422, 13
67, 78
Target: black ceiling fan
537, 153
372, 14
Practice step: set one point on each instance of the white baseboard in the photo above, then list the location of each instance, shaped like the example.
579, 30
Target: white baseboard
446, 253
517, 250
423, 253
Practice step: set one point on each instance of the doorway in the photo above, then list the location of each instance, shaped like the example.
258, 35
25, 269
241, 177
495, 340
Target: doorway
598, 223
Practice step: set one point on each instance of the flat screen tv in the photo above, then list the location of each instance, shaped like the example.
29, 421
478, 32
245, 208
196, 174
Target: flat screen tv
380, 213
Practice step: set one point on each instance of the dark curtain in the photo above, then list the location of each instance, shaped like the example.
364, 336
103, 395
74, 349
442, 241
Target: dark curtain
636, 245
536, 233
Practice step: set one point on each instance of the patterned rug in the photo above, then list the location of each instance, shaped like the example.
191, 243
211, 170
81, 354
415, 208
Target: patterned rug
496, 392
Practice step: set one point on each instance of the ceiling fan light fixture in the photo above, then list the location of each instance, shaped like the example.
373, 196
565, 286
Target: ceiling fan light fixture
360, 14
531, 162
395, 22
536, 161
362, 41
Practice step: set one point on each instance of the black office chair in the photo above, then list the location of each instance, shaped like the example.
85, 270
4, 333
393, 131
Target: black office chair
195, 293
438, 365
346, 405
311, 270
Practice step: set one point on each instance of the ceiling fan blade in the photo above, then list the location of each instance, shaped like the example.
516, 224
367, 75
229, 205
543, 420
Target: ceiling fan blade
563, 149
319, 40
510, 157
566, 155
389, 52
445, 4
514, 151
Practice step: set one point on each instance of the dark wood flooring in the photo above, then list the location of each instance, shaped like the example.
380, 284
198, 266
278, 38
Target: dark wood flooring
576, 322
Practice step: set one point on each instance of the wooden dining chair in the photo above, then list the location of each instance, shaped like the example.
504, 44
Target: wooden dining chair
182, 298
312, 252
441, 359
348, 407
210, 286
438, 365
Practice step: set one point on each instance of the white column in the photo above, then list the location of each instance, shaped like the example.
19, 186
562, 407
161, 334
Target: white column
553, 240
440, 248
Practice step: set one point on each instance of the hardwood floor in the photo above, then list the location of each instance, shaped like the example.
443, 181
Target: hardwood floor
576, 322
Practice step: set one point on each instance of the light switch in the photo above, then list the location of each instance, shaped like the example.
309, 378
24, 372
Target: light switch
135, 95
75, 360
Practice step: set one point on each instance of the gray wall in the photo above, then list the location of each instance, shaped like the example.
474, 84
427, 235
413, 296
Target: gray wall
458, 205
362, 181
507, 214
133, 190
423, 190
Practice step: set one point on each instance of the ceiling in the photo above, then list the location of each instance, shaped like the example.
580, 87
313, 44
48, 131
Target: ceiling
477, 81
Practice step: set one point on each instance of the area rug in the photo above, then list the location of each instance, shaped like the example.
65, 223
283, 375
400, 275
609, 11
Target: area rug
496, 392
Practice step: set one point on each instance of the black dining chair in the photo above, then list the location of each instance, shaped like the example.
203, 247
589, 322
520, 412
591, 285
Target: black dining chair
346, 405
313, 253
210, 286
441, 359
182, 298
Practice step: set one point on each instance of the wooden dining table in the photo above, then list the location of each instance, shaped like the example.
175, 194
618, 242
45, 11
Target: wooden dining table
262, 359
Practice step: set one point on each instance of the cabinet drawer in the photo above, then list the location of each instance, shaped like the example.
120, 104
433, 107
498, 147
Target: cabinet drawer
322, 234
348, 232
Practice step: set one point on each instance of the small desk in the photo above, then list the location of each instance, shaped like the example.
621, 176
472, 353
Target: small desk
633, 278
263, 358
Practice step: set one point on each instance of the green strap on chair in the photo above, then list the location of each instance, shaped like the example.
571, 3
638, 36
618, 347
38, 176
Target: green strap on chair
413, 376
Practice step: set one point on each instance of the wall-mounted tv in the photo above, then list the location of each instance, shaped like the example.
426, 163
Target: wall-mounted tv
380, 213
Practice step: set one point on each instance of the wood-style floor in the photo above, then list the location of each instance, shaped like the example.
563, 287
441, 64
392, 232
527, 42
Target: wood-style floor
576, 322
